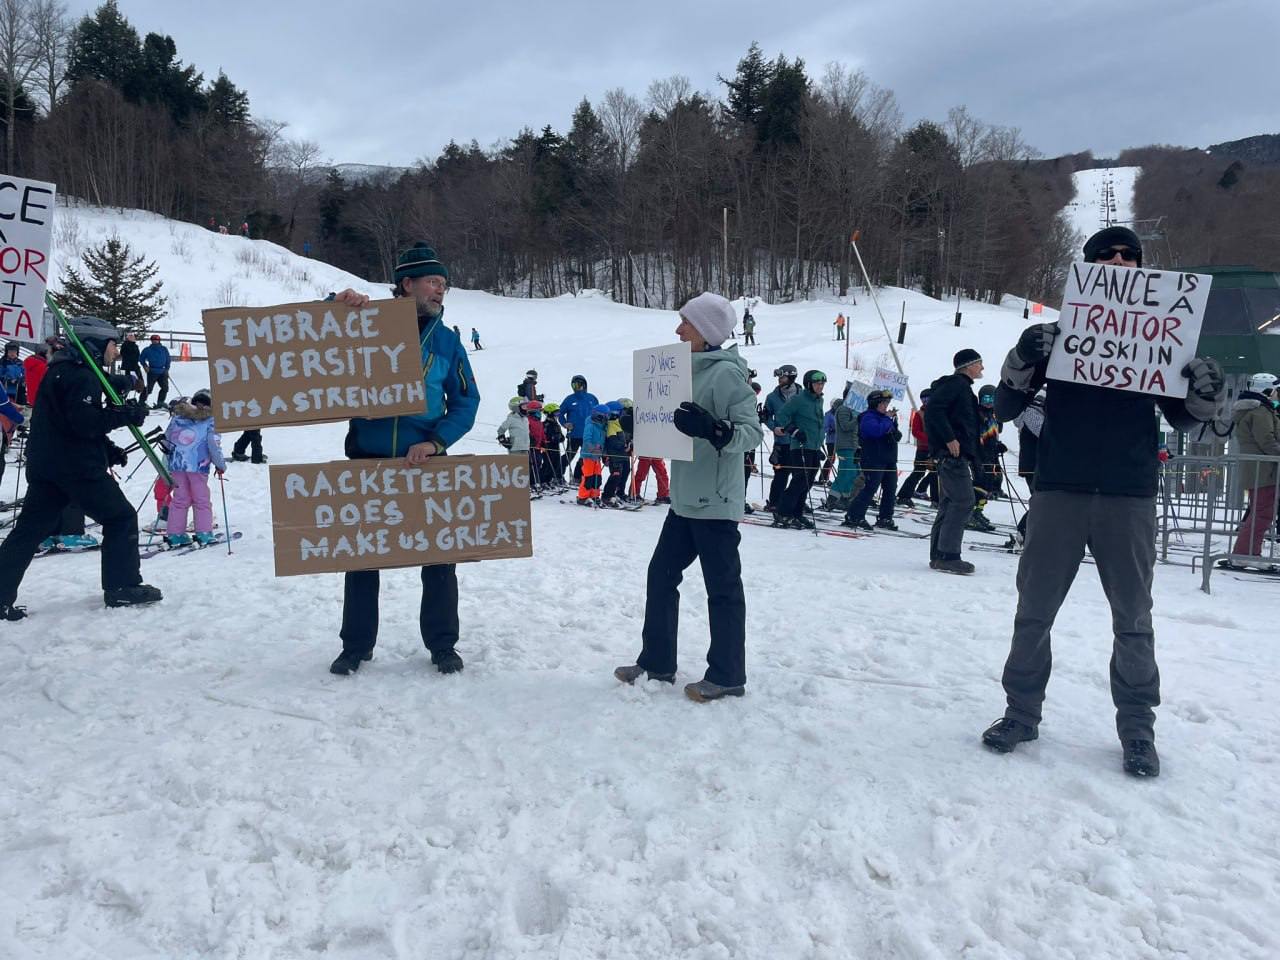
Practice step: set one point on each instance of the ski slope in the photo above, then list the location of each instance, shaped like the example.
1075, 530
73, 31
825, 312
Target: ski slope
1103, 197
188, 780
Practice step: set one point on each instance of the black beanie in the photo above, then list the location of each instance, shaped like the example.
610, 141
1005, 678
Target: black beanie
420, 261
1112, 237
965, 357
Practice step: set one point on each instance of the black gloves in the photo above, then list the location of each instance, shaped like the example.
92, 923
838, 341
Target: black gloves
116, 457
135, 412
1000, 447
695, 421
1036, 343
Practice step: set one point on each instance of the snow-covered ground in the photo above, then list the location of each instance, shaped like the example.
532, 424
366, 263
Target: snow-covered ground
188, 780
1103, 197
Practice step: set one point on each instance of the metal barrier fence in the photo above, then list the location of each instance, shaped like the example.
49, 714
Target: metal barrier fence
1207, 505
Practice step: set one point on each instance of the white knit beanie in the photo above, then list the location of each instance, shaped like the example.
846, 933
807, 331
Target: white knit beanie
712, 316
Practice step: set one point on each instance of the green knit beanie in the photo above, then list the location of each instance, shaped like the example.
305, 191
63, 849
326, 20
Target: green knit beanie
420, 261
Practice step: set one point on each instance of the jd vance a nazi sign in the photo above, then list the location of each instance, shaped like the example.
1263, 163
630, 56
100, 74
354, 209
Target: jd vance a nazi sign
313, 363
1129, 328
371, 514
26, 231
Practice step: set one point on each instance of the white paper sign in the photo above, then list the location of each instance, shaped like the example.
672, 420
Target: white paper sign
663, 379
891, 380
855, 395
26, 233
1128, 328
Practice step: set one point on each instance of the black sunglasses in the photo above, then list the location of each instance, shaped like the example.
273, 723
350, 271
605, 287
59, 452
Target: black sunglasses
1126, 253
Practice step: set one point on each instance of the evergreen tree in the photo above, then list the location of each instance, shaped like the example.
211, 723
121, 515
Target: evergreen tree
118, 289
228, 105
162, 79
106, 47
782, 103
746, 89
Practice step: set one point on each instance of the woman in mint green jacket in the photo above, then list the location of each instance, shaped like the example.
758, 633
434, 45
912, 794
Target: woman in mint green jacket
707, 496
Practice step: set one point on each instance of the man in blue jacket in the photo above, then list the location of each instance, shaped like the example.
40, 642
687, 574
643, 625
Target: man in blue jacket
575, 411
155, 361
451, 403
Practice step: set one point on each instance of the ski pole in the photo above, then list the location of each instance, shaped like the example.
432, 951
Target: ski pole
222, 482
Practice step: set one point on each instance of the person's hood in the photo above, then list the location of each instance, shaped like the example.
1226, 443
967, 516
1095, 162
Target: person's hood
191, 411
1246, 402
727, 354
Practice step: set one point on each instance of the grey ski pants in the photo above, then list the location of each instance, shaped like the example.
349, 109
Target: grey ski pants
1121, 534
955, 504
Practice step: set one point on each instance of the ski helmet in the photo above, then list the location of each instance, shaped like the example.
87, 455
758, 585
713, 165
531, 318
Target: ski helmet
614, 407
1262, 383
551, 409
578, 379
531, 406
786, 370
201, 398
600, 413
627, 403
514, 404
532, 374
814, 376
987, 395
877, 397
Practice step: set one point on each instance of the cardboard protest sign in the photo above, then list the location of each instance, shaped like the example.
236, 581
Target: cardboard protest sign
313, 363
855, 395
891, 380
1129, 328
663, 379
26, 234
378, 514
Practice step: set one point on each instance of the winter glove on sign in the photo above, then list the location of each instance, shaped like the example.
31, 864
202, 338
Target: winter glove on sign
1036, 343
695, 421
1205, 389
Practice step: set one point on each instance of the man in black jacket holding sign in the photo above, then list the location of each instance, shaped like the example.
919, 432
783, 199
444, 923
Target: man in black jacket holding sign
67, 460
1095, 487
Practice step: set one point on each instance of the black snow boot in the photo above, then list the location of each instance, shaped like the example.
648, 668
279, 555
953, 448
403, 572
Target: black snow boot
631, 673
239, 457
802, 523
347, 663
1005, 734
131, 596
447, 662
1141, 759
952, 564
9, 612
856, 524
886, 525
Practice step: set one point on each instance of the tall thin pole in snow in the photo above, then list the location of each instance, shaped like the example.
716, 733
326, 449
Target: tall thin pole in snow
853, 242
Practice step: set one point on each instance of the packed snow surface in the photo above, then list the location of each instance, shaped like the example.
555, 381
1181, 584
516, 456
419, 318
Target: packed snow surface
1103, 197
188, 780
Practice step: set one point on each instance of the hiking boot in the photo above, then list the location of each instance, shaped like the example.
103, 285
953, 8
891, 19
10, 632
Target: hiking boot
131, 596
704, 691
1141, 759
447, 662
9, 612
1005, 734
631, 673
178, 540
347, 663
953, 565
856, 524
886, 525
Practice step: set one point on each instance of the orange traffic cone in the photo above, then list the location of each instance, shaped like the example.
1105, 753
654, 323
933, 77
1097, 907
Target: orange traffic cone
185, 353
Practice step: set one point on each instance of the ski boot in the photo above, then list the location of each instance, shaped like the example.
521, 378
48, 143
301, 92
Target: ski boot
131, 596
886, 525
77, 541
240, 457
177, 540
856, 524
9, 612
47, 544
205, 539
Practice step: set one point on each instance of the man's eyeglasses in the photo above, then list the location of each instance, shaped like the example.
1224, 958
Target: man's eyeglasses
1126, 253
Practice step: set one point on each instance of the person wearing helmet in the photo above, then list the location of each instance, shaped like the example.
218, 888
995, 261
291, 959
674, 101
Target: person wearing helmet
552, 438
575, 411
989, 478
513, 432
707, 494
1097, 473
1256, 432
68, 456
539, 472
591, 461
801, 421
452, 399
156, 361
878, 436
922, 480
780, 457
528, 388
617, 448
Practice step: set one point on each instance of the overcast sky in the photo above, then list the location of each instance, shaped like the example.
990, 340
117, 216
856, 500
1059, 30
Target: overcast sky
391, 82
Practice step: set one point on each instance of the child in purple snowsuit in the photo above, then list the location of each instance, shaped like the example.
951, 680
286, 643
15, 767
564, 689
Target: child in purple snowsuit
194, 445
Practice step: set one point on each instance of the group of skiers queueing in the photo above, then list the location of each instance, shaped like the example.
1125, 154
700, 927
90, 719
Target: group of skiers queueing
599, 434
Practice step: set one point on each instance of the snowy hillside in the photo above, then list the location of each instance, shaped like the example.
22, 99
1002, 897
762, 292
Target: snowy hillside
188, 780
1103, 197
